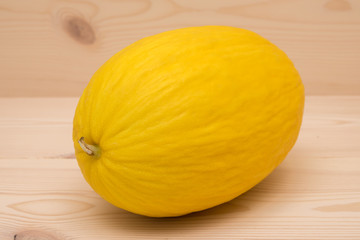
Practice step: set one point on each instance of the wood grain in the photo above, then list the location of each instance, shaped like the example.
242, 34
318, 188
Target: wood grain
52, 47
313, 194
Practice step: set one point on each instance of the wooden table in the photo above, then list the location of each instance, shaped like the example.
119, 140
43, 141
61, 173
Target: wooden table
50, 49
313, 194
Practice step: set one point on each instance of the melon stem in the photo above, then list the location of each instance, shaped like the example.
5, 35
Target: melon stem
88, 148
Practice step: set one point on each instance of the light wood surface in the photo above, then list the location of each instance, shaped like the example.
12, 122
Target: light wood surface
313, 194
52, 48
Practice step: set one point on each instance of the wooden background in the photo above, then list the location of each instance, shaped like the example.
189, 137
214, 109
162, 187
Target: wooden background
50, 49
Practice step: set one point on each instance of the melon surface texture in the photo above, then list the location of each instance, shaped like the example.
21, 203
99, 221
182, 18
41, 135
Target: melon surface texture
187, 119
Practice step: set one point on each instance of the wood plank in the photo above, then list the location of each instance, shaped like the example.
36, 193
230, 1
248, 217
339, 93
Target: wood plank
313, 194
52, 47
49, 120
